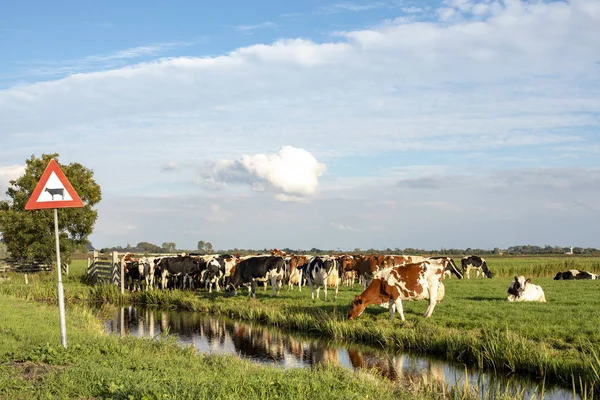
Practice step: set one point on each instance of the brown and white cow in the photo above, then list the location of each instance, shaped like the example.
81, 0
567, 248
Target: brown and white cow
367, 266
416, 281
294, 270
393, 260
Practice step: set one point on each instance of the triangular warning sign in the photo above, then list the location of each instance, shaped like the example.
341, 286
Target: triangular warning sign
53, 191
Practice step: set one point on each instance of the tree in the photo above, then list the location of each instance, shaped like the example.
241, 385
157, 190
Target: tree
148, 247
169, 247
3, 251
208, 247
201, 246
29, 235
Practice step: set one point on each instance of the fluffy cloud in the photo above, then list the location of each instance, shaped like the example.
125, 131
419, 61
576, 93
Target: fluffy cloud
291, 173
8, 174
440, 118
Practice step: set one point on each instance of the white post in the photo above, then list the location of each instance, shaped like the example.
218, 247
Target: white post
123, 275
61, 295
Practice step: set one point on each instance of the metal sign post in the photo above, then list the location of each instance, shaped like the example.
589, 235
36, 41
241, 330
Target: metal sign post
61, 294
54, 190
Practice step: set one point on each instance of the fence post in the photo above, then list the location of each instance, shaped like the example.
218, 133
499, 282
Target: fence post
122, 275
115, 268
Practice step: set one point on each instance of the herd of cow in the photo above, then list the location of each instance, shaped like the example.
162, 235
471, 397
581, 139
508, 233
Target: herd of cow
387, 279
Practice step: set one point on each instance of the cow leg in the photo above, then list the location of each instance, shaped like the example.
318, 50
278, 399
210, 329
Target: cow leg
312, 292
319, 288
273, 283
336, 291
163, 279
396, 305
433, 293
279, 284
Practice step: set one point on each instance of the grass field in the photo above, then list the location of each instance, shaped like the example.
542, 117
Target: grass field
34, 365
473, 324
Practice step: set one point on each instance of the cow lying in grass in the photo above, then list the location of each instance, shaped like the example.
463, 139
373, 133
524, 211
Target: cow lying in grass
575, 274
523, 290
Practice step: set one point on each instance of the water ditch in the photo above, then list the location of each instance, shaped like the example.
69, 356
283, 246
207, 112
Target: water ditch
209, 334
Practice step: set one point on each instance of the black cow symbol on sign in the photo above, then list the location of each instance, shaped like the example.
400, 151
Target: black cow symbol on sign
53, 192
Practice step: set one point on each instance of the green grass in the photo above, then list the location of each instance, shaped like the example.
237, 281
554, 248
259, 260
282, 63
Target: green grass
474, 324
33, 365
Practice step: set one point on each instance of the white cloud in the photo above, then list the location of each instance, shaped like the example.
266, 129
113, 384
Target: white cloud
8, 174
410, 106
248, 29
292, 173
353, 7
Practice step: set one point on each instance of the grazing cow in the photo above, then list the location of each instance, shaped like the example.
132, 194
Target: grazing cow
478, 264
523, 290
321, 271
181, 266
56, 192
254, 269
575, 274
417, 281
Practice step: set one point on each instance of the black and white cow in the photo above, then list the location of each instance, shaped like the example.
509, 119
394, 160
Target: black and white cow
218, 270
321, 271
148, 267
134, 275
478, 264
254, 269
186, 267
575, 274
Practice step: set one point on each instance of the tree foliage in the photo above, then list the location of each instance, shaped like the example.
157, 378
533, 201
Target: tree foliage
205, 247
169, 247
30, 234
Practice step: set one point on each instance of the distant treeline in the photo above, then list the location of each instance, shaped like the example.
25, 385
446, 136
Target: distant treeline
206, 247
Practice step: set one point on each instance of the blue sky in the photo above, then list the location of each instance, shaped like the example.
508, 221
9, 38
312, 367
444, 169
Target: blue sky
330, 124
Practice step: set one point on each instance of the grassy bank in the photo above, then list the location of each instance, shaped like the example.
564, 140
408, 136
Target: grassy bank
99, 366
474, 324
33, 365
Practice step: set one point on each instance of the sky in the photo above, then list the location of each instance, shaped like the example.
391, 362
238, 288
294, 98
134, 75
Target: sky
326, 124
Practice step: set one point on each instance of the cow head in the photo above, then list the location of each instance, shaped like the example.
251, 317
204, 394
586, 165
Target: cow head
520, 285
230, 290
486, 271
356, 308
558, 276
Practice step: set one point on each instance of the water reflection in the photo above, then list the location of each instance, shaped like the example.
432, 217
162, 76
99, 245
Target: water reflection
223, 336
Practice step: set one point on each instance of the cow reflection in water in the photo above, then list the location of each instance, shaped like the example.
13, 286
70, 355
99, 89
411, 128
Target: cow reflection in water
398, 368
256, 343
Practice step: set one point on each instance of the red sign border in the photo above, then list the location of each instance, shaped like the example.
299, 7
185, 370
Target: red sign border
33, 204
